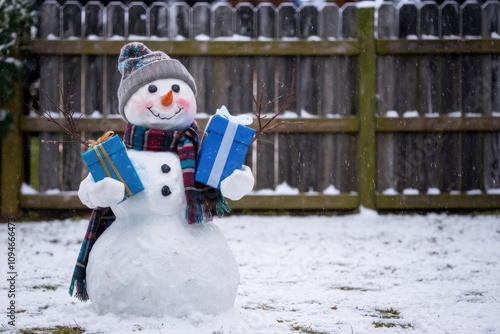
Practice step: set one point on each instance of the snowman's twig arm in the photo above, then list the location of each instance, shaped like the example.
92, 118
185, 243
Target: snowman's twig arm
264, 128
68, 113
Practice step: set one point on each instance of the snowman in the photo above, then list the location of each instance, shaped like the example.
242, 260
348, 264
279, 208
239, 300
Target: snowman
147, 255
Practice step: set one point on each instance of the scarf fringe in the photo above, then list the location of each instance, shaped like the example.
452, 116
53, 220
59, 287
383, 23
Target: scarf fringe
100, 220
81, 289
203, 205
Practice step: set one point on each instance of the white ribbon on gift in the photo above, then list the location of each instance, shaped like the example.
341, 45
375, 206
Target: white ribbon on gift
227, 142
239, 119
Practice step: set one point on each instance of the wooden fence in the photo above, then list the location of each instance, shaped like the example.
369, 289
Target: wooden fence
394, 108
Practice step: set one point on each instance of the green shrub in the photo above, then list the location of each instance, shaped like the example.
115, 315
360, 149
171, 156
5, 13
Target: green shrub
16, 19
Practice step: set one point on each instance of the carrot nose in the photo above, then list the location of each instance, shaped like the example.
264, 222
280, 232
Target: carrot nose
166, 99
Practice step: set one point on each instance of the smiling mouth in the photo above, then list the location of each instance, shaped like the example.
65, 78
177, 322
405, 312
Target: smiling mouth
161, 117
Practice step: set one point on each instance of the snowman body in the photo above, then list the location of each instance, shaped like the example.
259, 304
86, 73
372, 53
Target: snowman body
150, 261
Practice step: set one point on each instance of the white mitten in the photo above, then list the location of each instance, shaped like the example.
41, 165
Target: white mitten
238, 184
104, 193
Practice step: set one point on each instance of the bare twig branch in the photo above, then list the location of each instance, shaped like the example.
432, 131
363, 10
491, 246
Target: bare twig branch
70, 126
265, 128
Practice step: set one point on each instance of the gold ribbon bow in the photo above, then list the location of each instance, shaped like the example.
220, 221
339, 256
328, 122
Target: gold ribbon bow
101, 139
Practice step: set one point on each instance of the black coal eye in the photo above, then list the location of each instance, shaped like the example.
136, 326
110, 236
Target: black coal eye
152, 88
176, 88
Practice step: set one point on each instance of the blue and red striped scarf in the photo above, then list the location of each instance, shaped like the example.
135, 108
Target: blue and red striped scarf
203, 202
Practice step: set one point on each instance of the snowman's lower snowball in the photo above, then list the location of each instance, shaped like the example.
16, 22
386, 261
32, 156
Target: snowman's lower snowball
151, 262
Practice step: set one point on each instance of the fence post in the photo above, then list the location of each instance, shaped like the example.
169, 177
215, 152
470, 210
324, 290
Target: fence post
367, 89
11, 152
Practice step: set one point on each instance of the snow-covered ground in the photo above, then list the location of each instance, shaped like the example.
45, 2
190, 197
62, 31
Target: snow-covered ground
363, 273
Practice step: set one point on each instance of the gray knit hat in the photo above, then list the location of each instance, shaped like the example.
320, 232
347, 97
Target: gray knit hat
139, 65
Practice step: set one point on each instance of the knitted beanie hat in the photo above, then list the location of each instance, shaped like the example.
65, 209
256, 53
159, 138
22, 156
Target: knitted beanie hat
139, 65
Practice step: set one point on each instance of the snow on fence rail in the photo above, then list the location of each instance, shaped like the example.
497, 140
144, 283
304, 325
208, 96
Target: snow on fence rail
394, 107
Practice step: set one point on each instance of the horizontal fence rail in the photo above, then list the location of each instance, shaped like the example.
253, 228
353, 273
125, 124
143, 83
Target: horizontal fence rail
396, 107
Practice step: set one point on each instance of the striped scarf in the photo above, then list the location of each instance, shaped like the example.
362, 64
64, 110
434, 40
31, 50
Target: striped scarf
202, 201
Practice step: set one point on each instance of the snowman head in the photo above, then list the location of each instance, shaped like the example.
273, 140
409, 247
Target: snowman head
155, 91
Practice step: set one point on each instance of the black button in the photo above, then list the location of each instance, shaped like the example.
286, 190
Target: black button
165, 168
165, 191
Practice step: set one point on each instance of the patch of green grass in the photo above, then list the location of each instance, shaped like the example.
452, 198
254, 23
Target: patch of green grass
263, 307
53, 330
389, 313
350, 288
385, 315
382, 324
306, 329
46, 287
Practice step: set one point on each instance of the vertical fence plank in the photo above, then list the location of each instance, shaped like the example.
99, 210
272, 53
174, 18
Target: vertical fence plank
450, 98
241, 101
428, 95
93, 65
406, 66
307, 90
367, 105
265, 20
347, 76
242, 67
72, 94
116, 28
329, 21
329, 162
347, 64
286, 70
491, 96
265, 86
179, 21
159, 20
287, 66
471, 104
387, 27
222, 26
200, 66
428, 64
49, 94
138, 20
93, 72
308, 95
201, 21
330, 83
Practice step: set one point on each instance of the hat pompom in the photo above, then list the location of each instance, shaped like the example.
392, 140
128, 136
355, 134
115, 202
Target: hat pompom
135, 55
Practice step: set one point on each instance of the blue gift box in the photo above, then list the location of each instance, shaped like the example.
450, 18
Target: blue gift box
110, 159
223, 150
